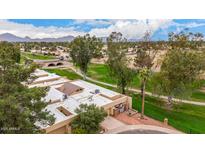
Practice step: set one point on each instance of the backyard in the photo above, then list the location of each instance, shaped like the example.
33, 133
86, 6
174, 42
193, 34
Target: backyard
185, 117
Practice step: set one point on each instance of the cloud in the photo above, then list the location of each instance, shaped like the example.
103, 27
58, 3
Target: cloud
187, 25
93, 22
132, 29
23, 30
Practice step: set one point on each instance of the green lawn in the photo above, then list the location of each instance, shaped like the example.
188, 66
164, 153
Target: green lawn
198, 96
37, 56
65, 73
185, 117
100, 72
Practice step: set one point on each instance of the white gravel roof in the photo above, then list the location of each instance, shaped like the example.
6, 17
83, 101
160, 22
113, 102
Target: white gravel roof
46, 78
72, 102
91, 94
91, 87
40, 73
49, 83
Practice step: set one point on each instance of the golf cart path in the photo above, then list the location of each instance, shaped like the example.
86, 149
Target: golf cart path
138, 91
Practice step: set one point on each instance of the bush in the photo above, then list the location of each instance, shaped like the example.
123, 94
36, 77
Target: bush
79, 131
88, 119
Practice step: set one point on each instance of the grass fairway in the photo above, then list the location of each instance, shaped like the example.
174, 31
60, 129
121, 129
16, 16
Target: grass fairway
37, 56
185, 117
198, 96
100, 73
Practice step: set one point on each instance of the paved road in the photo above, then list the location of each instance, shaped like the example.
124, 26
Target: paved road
138, 91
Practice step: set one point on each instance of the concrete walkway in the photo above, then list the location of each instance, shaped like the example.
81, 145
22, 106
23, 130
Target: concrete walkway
139, 91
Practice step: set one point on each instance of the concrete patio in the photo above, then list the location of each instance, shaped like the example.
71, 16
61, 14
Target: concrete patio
125, 124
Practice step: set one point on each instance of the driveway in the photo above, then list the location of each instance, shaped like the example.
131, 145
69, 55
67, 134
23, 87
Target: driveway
111, 123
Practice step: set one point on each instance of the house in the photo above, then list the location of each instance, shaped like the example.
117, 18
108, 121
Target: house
66, 96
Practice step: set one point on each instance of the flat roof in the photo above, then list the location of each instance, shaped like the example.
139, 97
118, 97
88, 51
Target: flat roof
40, 73
89, 94
49, 83
70, 103
46, 78
92, 87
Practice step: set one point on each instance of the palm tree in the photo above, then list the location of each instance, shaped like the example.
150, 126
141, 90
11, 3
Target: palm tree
144, 74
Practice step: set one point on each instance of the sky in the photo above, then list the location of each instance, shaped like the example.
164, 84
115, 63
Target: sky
130, 28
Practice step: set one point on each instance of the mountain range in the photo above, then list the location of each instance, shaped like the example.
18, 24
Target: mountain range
13, 38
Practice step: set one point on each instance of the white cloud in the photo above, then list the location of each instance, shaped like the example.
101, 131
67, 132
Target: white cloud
23, 30
187, 25
93, 22
132, 29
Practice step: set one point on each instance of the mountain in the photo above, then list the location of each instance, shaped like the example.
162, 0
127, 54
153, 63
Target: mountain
13, 38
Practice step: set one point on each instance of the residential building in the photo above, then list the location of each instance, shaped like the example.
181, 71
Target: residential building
64, 96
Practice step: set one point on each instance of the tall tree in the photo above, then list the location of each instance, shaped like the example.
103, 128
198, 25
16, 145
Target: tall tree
185, 40
144, 74
118, 63
181, 67
21, 108
10, 51
144, 61
180, 72
82, 50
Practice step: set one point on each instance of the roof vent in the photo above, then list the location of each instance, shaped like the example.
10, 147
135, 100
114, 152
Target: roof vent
65, 97
97, 91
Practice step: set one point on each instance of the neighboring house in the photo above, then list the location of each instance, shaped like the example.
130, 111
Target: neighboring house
65, 97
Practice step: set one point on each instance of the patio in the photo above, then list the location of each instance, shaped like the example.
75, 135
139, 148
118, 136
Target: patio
134, 119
